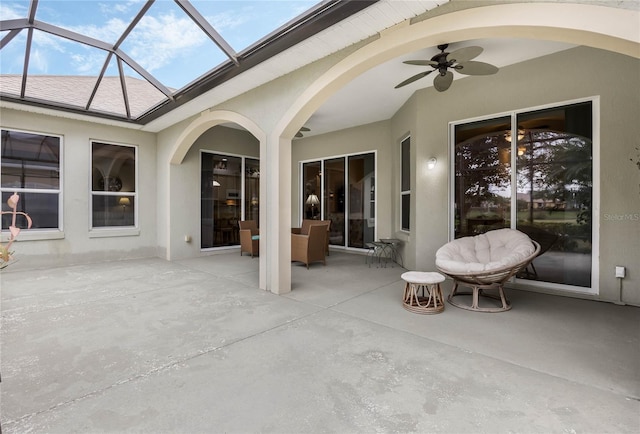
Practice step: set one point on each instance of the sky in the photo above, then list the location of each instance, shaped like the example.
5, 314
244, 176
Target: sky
166, 42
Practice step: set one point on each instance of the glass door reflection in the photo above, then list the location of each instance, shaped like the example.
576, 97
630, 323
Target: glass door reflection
334, 199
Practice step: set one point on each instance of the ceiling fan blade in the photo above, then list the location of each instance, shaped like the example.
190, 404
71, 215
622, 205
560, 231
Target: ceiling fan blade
304, 129
465, 54
298, 134
421, 62
476, 68
413, 78
442, 82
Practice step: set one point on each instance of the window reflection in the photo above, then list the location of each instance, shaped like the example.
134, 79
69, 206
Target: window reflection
113, 185
482, 177
30, 166
311, 193
554, 171
252, 190
405, 184
335, 199
361, 200
552, 192
223, 198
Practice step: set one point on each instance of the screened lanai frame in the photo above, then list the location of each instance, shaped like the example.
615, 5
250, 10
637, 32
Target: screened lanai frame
144, 96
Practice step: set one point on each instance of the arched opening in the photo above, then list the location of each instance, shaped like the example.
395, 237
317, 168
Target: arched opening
602, 28
599, 27
225, 149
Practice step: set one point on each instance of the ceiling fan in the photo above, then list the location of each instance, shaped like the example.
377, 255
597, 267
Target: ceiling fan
458, 60
302, 130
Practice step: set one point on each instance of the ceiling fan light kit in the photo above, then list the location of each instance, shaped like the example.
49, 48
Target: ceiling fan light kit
459, 60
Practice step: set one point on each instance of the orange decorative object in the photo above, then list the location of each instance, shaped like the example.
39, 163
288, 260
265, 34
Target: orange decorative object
5, 254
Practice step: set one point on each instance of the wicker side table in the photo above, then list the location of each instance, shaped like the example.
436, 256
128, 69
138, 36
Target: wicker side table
422, 292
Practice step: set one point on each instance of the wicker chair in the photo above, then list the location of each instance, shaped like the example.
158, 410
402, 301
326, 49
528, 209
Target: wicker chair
309, 248
249, 238
307, 223
484, 263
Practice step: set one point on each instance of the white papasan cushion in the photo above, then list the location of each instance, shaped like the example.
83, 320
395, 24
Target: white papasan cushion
490, 251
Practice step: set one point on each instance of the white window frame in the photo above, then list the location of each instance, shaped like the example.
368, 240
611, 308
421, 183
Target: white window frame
114, 231
595, 231
48, 233
242, 191
404, 193
322, 160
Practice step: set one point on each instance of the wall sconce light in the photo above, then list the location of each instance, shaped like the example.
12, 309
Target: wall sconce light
431, 163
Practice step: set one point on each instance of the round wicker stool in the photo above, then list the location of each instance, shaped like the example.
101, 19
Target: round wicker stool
428, 284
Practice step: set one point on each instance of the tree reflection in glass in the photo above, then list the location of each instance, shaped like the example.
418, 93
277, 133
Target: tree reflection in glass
550, 195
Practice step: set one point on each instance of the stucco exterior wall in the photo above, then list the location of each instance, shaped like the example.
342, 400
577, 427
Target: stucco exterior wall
77, 244
186, 213
403, 124
165, 141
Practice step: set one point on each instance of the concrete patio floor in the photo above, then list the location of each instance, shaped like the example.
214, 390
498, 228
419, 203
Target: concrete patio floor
194, 346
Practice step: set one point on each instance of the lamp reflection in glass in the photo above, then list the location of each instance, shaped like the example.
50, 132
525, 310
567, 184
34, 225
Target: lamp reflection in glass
124, 202
313, 201
216, 183
431, 164
507, 135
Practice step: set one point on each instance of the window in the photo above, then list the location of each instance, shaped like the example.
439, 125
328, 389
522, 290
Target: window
252, 189
405, 184
341, 189
229, 192
31, 167
532, 171
113, 185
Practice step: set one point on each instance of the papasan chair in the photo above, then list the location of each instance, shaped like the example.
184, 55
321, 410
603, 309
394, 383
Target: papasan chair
484, 263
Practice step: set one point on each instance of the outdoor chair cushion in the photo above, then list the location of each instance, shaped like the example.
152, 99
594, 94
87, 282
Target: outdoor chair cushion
493, 250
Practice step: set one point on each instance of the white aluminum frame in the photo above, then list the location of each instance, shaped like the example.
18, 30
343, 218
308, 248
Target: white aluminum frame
595, 229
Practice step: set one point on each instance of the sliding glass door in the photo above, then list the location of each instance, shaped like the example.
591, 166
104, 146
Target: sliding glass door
361, 200
532, 171
341, 189
554, 173
229, 192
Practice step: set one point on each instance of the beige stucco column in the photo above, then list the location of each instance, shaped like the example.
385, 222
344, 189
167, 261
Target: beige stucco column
275, 221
